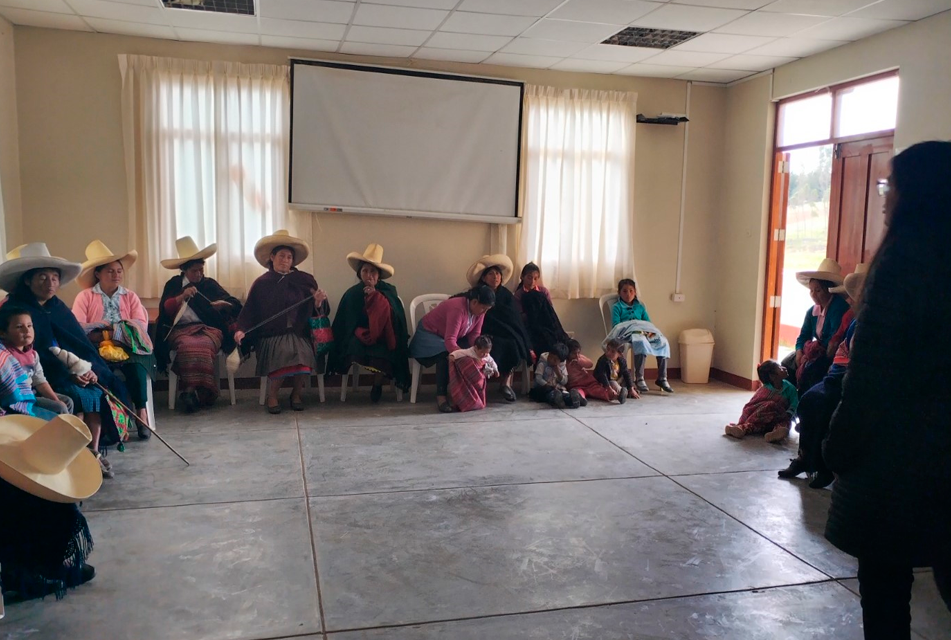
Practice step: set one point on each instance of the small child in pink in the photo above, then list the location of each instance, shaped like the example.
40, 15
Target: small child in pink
582, 380
771, 409
468, 371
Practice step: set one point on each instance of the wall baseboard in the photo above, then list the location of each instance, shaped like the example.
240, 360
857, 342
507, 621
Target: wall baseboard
734, 380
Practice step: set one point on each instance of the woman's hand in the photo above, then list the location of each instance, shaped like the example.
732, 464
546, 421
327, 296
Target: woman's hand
633, 394
799, 356
320, 296
189, 293
368, 290
239, 336
86, 379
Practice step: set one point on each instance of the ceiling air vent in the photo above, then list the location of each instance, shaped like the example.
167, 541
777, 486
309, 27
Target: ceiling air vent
240, 7
651, 38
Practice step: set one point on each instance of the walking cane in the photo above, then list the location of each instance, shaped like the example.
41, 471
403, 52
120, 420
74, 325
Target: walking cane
141, 421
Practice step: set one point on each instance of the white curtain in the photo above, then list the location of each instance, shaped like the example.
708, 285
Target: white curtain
205, 150
579, 189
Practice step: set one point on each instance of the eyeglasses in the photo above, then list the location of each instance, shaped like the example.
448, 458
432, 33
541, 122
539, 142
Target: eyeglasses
883, 187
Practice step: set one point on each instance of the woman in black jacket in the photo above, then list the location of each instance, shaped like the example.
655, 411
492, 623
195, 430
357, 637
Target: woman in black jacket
890, 439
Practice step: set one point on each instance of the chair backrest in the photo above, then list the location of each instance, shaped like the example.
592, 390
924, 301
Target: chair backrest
421, 305
605, 303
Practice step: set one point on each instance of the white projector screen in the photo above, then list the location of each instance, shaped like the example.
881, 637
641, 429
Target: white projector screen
388, 141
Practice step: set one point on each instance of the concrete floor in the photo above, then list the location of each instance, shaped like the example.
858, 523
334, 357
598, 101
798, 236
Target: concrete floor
394, 521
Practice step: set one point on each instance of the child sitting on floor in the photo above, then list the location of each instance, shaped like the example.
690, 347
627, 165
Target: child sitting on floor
551, 376
611, 371
771, 409
468, 371
581, 378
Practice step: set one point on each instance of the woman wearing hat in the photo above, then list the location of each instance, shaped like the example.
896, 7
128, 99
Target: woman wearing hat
45, 469
196, 320
283, 345
105, 305
503, 323
370, 326
809, 363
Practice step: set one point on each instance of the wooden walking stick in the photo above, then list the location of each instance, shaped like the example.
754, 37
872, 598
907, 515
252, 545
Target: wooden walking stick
141, 421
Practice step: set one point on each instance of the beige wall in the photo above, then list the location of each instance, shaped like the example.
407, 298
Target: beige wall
74, 185
9, 148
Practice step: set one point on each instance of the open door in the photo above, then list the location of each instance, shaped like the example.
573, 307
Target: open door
775, 248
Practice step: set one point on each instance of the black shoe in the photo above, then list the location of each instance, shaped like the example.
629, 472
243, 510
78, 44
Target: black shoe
189, 401
584, 401
376, 392
574, 399
276, 409
665, 386
86, 573
822, 479
445, 407
622, 396
558, 400
642, 387
508, 393
796, 466
144, 432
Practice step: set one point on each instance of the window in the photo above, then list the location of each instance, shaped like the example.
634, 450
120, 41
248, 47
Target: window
805, 120
867, 107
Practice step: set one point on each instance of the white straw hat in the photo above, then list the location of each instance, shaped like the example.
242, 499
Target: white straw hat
828, 270
188, 251
35, 256
98, 254
853, 282
502, 261
281, 238
372, 255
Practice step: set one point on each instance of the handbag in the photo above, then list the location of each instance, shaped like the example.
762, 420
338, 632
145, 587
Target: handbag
321, 335
121, 419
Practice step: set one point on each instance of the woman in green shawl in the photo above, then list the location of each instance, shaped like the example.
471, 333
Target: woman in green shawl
370, 326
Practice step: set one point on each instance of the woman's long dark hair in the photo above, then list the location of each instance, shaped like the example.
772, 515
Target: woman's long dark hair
483, 294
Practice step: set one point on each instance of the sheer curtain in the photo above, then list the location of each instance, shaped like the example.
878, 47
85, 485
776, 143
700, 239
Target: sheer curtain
205, 150
579, 189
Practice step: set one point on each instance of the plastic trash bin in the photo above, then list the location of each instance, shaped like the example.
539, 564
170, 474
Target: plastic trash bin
696, 356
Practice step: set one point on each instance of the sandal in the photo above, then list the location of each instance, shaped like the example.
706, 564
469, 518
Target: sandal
297, 405
276, 409
107, 472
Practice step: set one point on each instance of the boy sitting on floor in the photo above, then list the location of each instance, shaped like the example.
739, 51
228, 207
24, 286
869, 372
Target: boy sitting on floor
551, 376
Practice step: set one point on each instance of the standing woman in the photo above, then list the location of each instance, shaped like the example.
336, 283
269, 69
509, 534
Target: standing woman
511, 344
105, 305
889, 442
283, 345
196, 320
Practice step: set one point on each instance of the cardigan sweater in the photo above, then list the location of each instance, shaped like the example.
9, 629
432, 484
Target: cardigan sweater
623, 312
449, 321
89, 310
834, 312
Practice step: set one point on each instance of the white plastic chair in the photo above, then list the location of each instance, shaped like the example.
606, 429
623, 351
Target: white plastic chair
173, 380
307, 385
355, 370
427, 301
605, 303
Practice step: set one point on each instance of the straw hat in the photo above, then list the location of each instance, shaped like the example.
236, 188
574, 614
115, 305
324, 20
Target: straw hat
373, 255
35, 256
188, 251
280, 238
49, 459
853, 282
828, 269
98, 254
495, 260
15, 252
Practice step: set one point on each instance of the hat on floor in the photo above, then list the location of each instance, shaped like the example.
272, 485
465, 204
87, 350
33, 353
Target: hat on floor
49, 459
828, 270
31, 256
853, 282
188, 251
373, 255
97, 255
502, 261
280, 238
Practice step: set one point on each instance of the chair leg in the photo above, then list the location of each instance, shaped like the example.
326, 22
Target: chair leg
150, 407
263, 389
414, 387
320, 387
344, 383
172, 388
231, 387
526, 379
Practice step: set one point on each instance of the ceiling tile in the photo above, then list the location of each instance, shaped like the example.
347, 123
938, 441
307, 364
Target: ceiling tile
687, 58
616, 53
117, 11
381, 50
29, 18
749, 5
537, 47
220, 37
830, 8
589, 32
515, 60
421, 4
209, 21
301, 29
132, 28
746, 62
451, 55
589, 66
722, 43
535, 8
376, 15
381, 35
307, 44
795, 47
654, 71
684, 18
467, 42
313, 10
609, 11
714, 75
486, 24
849, 28
760, 23
54, 6
903, 9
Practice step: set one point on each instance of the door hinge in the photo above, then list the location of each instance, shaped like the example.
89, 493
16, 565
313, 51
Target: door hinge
837, 151
775, 302
779, 235
783, 167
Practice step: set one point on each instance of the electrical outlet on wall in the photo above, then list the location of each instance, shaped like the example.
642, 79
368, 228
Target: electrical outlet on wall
677, 297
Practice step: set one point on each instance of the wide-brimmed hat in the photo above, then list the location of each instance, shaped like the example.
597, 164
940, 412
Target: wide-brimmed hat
98, 254
14, 252
188, 251
853, 282
828, 270
31, 256
495, 260
49, 459
373, 255
280, 238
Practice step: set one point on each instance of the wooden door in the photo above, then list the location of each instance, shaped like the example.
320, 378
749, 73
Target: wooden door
856, 221
775, 249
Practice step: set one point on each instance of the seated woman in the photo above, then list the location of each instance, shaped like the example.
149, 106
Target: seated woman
511, 344
44, 539
810, 362
196, 320
34, 279
283, 345
370, 326
632, 324
538, 314
105, 305
530, 280
453, 325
